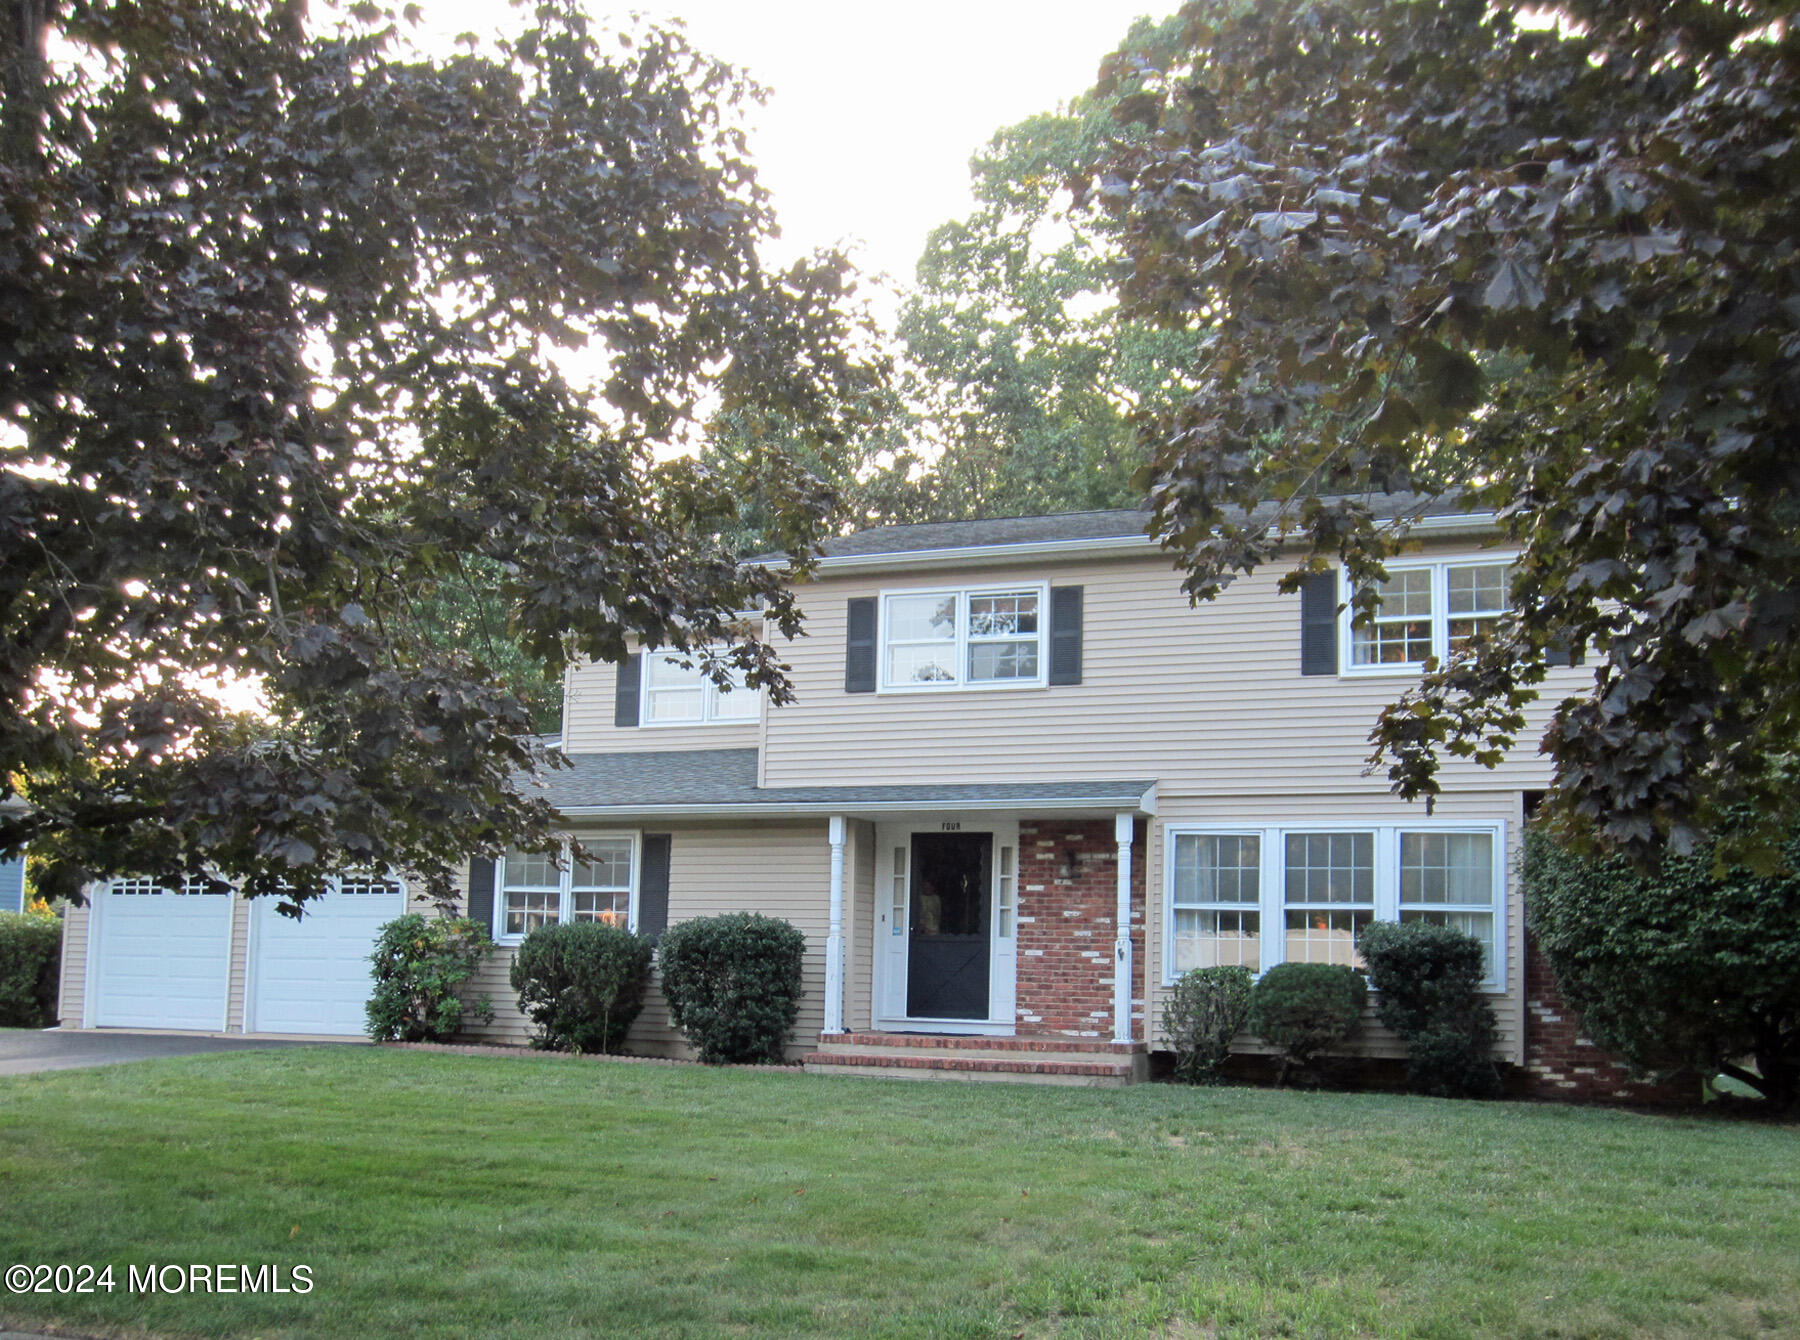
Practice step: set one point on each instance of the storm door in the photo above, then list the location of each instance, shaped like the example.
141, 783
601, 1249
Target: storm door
950, 926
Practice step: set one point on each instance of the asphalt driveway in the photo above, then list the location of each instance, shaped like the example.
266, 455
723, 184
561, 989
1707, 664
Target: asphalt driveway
25, 1051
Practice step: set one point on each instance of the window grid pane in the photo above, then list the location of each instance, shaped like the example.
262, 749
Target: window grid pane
1003, 636
1330, 868
1475, 597
897, 908
1217, 938
527, 909
611, 907
1447, 869
1325, 936
1400, 633
1009, 884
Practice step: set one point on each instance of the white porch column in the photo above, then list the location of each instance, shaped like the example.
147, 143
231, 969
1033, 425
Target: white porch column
834, 942
1122, 824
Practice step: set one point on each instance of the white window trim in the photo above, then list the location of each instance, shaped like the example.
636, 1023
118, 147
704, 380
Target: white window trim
961, 683
1438, 565
710, 694
1272, 904
565, 907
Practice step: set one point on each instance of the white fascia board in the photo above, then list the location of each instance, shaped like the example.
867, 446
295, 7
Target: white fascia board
1105, 804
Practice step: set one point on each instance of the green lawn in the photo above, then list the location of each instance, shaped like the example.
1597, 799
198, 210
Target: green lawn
436, 1195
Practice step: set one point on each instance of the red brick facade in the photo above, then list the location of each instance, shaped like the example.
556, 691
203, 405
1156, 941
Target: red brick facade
1068, 900
1561, 1064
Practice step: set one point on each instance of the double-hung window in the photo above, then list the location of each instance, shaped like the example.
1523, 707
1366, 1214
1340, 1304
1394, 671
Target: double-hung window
1428, 608
1217, 901
534, 892
973, 637
1258, 895
677, 692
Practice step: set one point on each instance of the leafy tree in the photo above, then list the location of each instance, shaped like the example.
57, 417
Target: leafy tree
280, 312
1680, 965
1548, 270
1017, 362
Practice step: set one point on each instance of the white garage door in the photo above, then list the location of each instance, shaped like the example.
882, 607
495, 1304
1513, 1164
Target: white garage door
163, 959
313, 975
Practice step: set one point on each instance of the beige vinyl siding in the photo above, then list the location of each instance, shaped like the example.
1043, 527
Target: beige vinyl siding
72, 986
779, 869
1207, 699
1327, 809
588, 692
859, 927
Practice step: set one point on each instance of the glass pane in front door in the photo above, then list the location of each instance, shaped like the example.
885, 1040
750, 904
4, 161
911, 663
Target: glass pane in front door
949, 926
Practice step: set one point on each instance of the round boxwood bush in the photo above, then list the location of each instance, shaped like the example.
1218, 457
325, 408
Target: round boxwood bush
1427, 982
1205, 1010
30, 954
1307, 1008
733, 984
421, 964
582, 984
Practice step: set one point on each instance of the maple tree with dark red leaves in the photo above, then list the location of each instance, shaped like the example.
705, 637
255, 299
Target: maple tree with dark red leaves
278, 307
1550, 270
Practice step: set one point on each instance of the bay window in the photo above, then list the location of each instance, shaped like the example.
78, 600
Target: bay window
1258, 895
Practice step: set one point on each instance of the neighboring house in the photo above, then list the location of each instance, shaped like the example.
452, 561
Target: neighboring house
12, 885
1023, 785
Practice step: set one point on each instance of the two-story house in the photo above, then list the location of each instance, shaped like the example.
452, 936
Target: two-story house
1023, 785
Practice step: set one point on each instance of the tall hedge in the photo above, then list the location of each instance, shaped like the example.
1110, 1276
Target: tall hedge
1677, 966
733, 984
30, 955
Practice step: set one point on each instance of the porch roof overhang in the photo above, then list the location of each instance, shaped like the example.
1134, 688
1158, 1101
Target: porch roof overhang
721, 783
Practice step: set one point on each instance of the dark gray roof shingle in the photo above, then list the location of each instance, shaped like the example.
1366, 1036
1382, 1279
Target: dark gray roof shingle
1122, 524
703, 779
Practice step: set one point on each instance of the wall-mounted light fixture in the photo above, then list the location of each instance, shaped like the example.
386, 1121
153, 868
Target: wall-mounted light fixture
1071, 865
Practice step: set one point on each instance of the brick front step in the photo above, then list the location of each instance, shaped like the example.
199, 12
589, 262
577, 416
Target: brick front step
1018, 1060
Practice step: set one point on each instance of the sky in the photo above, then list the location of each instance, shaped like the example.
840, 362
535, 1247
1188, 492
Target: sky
875, 109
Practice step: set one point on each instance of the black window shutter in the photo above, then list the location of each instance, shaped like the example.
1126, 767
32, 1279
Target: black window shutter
1065, 634
1319, 624
625, 690
653, 885
859, 647
481, 892
1559, 653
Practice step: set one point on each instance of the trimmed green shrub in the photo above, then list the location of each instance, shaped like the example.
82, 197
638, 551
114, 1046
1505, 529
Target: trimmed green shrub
420, 966
30, 956
582, 983
733, 984
1676, 967
1427, 983
1205, 1010
1307, 1008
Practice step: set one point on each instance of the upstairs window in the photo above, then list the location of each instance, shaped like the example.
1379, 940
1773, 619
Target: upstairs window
982, 637
684, 695
1427, 609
